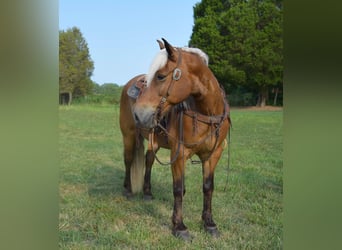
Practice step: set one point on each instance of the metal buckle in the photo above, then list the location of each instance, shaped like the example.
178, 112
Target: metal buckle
177, 74
163, 100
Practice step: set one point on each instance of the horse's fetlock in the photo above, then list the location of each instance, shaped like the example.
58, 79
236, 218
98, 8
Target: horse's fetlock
178, 191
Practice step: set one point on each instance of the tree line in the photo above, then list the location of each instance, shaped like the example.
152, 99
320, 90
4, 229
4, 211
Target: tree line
75, 64
243, 39
75, 70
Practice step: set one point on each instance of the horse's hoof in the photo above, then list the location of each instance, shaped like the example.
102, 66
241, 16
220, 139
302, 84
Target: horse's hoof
182, 234
213, 231
127, 194
148, 197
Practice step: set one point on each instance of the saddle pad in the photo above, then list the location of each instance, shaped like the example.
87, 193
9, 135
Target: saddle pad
133, 91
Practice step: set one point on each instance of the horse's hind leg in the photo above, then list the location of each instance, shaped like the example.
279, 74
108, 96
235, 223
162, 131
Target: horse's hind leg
149, 160
129, 147
147, 179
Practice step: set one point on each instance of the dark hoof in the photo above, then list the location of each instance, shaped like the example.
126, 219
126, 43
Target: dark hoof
182, 234
213, 231
127, 194
148, 197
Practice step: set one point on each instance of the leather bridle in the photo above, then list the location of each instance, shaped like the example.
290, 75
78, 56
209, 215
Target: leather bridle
176, 75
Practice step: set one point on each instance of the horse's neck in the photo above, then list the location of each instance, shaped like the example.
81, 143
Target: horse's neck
210, 103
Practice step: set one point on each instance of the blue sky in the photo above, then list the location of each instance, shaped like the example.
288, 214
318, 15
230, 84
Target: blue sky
121, 35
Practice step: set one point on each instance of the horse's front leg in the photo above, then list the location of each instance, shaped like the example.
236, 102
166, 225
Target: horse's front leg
178, 171
208, 168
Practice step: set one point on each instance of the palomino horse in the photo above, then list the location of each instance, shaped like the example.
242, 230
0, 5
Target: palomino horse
178, 105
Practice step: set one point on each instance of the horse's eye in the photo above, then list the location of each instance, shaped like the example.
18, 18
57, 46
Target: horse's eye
161, 78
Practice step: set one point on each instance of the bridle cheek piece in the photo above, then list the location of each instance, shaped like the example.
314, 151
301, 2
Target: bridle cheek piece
176, 75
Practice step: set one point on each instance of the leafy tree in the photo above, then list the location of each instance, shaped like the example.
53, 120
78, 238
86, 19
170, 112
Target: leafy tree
106, 93
244, 42
75, 64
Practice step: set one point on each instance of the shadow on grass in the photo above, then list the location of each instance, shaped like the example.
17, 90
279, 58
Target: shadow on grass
108, 181
105, 181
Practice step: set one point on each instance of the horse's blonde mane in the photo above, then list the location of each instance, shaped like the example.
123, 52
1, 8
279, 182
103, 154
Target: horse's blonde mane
199, 52
160, 61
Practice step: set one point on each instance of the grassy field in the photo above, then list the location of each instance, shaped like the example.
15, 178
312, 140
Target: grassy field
95, 215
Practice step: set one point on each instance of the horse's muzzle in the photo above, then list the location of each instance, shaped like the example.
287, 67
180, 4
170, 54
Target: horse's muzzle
144, 117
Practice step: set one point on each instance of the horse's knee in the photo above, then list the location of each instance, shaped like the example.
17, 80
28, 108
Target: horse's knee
128, 163
178, 190
128, 158
208, 185
207, 189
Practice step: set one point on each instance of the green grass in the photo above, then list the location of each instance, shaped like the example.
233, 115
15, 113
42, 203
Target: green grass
95, 215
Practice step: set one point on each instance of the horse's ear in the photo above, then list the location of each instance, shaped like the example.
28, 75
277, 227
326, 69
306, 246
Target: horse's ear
170, 50
161, 44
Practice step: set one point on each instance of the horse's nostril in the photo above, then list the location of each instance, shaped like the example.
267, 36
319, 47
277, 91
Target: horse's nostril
136, 117
143, 117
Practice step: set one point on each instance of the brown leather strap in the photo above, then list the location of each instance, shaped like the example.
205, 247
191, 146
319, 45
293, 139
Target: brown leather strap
204, 118
212, 119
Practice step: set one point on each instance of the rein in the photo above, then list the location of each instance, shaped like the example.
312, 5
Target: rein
180, 141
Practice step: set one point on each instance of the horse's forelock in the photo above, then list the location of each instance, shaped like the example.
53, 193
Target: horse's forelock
158, 62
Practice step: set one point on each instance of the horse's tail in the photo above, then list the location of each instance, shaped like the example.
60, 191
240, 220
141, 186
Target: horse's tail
138, 167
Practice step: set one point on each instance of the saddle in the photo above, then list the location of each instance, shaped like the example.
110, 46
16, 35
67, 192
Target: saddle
136, 89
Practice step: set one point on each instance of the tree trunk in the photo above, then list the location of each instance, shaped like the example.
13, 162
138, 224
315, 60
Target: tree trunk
65, 98
275, 96
262, 97
70, 97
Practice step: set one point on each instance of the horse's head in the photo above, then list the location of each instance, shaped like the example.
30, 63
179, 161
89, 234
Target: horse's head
174, 75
